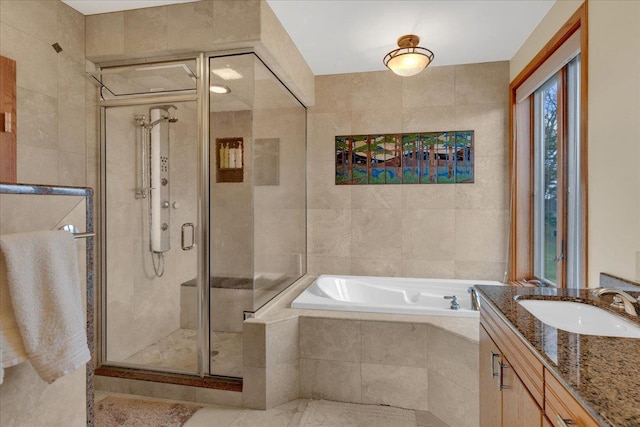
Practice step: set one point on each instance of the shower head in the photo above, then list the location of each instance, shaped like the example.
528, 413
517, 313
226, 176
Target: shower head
168, 117
166, 108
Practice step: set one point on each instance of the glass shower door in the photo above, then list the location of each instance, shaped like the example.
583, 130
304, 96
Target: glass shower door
150, 158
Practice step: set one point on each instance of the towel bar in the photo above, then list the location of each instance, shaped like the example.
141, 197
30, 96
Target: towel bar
76, 234
83, 235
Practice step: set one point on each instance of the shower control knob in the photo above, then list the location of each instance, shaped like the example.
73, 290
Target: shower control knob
164, 226
176, 205
164, 182
165, 204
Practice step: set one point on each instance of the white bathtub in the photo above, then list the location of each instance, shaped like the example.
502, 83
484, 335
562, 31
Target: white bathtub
389, 295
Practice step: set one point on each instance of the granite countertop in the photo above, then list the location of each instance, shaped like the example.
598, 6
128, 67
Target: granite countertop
603, 373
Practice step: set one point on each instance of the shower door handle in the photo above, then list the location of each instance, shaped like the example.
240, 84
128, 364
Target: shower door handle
193, 236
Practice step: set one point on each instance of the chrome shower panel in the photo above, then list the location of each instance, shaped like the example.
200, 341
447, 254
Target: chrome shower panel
160, 184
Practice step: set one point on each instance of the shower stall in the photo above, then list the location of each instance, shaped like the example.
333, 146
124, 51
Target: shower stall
203, 208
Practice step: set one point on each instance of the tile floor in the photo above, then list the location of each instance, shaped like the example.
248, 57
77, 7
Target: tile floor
290, 415
178, 351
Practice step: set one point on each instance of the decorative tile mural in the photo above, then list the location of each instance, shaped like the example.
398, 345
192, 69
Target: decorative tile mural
409, 158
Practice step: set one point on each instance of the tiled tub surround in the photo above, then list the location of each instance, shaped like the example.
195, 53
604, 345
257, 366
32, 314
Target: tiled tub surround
603, 373
446, 231
427, 363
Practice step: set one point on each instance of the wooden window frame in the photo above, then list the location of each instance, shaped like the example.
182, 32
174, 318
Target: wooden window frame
521, 171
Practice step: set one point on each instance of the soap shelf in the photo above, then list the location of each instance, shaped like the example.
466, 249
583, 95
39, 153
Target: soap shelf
229, 150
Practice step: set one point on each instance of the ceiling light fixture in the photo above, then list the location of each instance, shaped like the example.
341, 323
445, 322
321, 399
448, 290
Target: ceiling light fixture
227, 73
409, 59
219, 89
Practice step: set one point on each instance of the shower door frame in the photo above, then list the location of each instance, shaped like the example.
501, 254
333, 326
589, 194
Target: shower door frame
201, 97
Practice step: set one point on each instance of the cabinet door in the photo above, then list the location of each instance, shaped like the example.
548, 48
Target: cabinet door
490, 394
562, 408
519, 408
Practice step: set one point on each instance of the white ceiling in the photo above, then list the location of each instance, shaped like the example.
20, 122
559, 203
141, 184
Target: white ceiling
346, 36
92, 7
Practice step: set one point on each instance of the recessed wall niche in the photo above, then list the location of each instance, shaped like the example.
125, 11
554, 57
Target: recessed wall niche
229, 160
407, 158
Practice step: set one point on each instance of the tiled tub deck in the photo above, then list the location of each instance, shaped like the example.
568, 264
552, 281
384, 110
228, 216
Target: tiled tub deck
427, 363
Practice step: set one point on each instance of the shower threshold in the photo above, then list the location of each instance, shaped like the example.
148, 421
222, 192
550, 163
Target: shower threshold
215, 382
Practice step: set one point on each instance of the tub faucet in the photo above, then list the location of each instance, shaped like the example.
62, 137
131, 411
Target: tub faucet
454, 302
620, 297
475, 299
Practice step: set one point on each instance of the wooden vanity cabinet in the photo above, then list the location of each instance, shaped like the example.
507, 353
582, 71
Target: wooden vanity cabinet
490, 393
516, 390
504, 399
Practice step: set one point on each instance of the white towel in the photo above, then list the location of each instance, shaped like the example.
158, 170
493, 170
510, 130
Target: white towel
42, 280
12, 350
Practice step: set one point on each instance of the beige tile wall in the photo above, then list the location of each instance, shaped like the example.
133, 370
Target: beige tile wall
279, 52
408, 365
159, 31
52, 145
231, 212
441, 231
271, 363
232, 222
213, 25
51, 89
280, 220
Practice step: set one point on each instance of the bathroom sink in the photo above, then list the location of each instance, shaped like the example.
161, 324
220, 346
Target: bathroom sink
580, 318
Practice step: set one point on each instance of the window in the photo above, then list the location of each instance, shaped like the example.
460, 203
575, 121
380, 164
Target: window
548, 230
555, 237
548, 247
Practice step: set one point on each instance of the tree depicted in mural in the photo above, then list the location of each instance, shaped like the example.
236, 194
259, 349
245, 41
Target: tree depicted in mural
410, 160
361, 159
427, 153
463, 147
393, 159
378, 159
342, 160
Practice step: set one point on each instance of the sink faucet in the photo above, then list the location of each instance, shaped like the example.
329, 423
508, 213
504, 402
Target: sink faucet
619, 296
